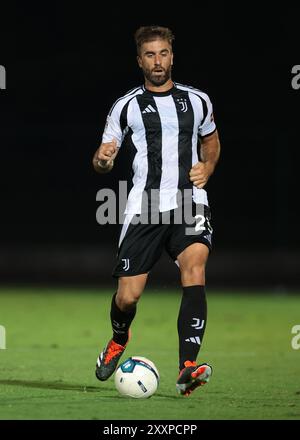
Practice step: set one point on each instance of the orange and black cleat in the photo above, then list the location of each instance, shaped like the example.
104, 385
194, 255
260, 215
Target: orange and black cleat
192, 376
108, 359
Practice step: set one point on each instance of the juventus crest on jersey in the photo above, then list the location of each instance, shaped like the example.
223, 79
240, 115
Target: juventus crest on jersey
161, 130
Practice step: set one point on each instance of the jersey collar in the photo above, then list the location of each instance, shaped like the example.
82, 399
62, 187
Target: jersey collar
166, 93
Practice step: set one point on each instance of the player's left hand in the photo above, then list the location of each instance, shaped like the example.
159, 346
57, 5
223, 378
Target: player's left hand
199, 174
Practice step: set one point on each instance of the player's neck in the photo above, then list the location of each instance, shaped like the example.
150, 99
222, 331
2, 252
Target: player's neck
164, 88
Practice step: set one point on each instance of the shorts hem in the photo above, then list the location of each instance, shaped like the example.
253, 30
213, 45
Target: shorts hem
122, 274
203, 241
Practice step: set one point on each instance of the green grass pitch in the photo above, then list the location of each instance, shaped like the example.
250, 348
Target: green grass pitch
53, 338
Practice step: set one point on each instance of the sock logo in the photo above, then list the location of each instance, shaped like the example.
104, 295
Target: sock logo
117, 327
199, 324
194, 340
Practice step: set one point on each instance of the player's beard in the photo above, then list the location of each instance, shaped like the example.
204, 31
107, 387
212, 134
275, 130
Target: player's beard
158, 79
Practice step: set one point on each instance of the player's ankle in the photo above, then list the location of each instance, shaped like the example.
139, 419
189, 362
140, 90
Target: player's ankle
121, 340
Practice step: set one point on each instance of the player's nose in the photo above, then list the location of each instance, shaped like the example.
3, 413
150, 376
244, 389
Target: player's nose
157, 60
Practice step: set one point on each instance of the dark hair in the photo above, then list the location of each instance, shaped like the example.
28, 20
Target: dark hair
146, 34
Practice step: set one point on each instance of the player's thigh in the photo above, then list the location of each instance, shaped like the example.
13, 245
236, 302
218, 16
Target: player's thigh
194, 255
140, 248
191, 262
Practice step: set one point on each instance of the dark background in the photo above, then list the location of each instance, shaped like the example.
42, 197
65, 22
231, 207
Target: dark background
66, 64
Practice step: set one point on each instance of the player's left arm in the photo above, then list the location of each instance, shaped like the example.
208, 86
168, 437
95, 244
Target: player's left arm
210, 153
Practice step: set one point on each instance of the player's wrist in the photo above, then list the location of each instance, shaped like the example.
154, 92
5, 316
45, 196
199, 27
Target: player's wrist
210, 166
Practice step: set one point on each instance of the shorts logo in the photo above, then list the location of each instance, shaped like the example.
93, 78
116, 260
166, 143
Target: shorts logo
126, 263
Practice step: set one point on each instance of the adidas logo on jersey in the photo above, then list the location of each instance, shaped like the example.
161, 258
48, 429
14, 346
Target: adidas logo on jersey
149, 109
195, 340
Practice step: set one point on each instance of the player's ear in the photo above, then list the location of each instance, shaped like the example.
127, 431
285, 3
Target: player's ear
172, 59
139, 61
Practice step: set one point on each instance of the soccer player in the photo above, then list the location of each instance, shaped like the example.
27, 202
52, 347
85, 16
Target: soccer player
161, 124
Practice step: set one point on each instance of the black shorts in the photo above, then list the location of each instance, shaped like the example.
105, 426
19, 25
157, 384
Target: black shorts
141, 245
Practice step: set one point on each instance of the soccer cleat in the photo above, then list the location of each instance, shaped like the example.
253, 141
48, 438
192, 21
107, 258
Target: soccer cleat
108, 359
192, 377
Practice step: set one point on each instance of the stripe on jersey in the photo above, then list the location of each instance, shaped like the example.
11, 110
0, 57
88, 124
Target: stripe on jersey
197, 93
153, 133
131, 152
205, 110
124, 229
169, 151
185, 144
138, 148
123, 115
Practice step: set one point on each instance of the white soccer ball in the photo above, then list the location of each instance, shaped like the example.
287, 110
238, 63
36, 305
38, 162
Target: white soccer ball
137, 377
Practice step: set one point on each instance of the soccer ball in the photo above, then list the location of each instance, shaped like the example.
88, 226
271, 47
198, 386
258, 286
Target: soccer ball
137, 377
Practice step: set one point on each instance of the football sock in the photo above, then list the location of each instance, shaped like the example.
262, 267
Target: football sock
121, 321
191, 323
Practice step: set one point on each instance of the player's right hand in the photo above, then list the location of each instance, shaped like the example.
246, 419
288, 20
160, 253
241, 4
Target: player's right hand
106, 152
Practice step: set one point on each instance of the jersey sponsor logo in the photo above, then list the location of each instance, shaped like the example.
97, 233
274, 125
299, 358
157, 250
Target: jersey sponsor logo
149, 109
183, 104
126, 263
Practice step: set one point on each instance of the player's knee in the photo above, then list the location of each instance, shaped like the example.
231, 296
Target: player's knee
193, 274
128, 301
128, 294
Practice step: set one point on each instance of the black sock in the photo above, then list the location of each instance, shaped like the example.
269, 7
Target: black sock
191, 323
120, 321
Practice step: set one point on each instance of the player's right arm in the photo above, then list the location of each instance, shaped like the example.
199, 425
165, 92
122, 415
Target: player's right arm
103, 160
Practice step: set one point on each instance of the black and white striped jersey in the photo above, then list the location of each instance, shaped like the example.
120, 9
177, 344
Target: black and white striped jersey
161, 130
